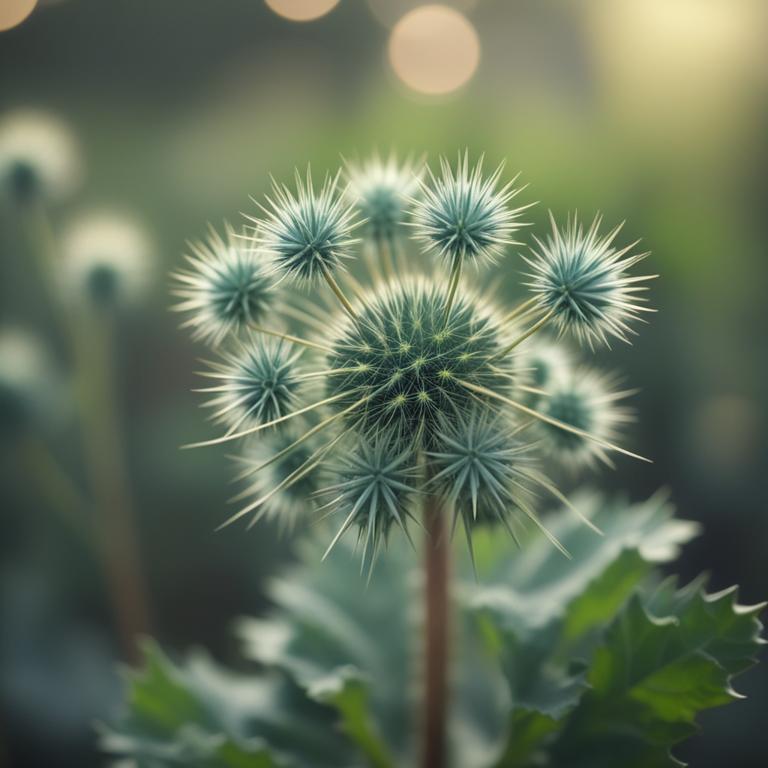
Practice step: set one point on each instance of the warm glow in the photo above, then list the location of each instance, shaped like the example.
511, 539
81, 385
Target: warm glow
13, 12
434, 49
302, 10
687, 62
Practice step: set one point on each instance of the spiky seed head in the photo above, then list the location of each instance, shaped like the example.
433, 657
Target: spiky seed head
404, 359
28, 382
543, 362
227, 288
39, 158
582, 278
381, 191
372, 490
463, 216
289, 490
481, 468
307, 233
106, 260
587, 400
256, 383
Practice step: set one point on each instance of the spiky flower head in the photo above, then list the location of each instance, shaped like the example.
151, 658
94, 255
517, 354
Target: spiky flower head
373, 490
543, 363
307, 234
480, 467
587, 401
27, 382
278, 485
462, 215
106, 260
581, 279
256, 383
406, 363
226, 289
419, 387
39, 158
381, 191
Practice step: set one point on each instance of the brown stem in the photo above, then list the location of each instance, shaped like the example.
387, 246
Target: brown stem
115, 521
435, 702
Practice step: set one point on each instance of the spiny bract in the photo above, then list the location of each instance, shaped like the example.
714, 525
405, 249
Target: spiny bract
307, 234
585, 400
381, 191
257, 383
581, 278
226, 289
413, 391
462, 216
373, 489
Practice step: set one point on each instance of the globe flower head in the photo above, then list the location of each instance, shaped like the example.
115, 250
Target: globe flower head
39, 158
543, 363
404, 360
485, 473
307, 234
587, 401
462, 215
381, 191
415, 388
28, 382
581, 280
373, 491
226, 289
255, 384
277, 484
106, 260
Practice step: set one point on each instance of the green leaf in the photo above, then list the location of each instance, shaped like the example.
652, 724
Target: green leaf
331, 630
574, 663
349, 695
197, 714
653, 674
544, 613
537, 584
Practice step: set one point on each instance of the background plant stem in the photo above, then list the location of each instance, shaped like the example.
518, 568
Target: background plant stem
56, 488
93, 339
436, 636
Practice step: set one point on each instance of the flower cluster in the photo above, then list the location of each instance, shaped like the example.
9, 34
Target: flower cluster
419, 385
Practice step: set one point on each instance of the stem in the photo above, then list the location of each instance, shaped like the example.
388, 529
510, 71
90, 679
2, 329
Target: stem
435, 702
385, 256
334, 286
55, 486
93, 340
454, 284
520, 339
521, 309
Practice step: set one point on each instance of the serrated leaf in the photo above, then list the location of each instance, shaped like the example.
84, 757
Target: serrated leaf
545, 613
652, 675
537, 584
196, 714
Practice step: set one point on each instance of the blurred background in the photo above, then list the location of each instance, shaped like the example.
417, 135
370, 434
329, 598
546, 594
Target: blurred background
651, 110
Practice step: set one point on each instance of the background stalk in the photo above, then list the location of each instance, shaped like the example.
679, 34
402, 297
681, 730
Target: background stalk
55, 487
436, 636
93, 339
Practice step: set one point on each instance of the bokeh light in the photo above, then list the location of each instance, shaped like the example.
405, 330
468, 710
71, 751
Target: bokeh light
302, 10
13, 12
695, 63
434, 49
